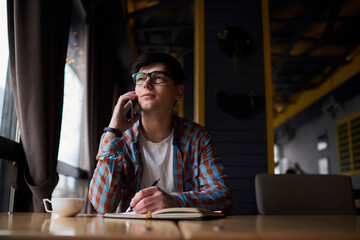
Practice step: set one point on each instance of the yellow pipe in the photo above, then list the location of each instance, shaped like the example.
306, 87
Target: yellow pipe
268, 86
181, 104
129, 28
199, 62
181, 108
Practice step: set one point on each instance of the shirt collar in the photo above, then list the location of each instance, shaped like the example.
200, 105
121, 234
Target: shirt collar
176, 141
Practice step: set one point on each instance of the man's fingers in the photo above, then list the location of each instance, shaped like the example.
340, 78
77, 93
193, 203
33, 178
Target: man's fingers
126, 106
152, 199
142, 208
118, 119
126, 97
142, 194
150, 203
123, 101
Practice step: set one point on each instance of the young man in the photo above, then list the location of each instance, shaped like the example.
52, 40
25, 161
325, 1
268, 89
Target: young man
156, 144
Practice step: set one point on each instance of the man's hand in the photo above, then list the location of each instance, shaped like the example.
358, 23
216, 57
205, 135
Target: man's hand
118, 119
152, 199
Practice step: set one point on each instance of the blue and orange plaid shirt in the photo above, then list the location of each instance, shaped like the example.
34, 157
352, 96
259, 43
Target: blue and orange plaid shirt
198, 173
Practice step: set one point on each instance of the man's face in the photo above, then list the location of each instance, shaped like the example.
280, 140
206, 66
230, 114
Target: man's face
158, 97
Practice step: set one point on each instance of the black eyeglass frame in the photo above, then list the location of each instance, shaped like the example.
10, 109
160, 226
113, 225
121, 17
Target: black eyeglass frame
149, 75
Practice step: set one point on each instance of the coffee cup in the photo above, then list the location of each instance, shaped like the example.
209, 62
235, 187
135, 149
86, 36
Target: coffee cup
65, 207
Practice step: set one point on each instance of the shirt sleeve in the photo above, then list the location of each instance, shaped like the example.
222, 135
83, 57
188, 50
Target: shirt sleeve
210, 189
111, 175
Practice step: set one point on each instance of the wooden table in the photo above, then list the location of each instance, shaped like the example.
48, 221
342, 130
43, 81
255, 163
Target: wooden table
274, 227
50, 226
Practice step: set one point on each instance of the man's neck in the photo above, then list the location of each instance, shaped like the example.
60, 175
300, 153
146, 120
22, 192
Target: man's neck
156, 127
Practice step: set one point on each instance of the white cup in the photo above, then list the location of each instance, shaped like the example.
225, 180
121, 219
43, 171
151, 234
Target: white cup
65, 207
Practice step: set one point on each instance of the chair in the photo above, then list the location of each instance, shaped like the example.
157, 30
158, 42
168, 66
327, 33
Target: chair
293, 194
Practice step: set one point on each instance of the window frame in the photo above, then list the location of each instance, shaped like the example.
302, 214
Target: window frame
345, 143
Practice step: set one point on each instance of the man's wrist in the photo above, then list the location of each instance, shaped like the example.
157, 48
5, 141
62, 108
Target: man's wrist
117, 132
179, 199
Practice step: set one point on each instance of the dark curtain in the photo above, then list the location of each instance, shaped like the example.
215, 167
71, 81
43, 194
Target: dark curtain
104, 69
38, 37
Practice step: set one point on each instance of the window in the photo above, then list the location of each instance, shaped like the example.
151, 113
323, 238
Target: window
8, 120
72, 118
74, 82
277, 169
348, 135
72, 148
4, 52
9, 130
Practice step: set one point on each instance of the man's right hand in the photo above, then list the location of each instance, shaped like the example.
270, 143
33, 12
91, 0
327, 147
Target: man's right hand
153, 199
118, 119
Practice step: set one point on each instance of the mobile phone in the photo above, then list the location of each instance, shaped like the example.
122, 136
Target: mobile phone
134, 109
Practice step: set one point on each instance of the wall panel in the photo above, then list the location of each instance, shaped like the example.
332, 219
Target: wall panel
240, 141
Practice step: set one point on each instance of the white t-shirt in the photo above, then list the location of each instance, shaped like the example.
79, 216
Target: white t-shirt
158, 162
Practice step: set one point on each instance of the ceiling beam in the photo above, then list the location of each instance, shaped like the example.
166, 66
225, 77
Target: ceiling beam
335, 66
307, 58
328, 41
181, 16
161, 5
314, 19
335, 10
309, 97
159, 45
163, 28
296, 34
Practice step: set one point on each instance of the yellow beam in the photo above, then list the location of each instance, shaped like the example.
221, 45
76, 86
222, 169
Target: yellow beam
309, 97
129, 28
199, 62
181, 108
181, 104
268, 86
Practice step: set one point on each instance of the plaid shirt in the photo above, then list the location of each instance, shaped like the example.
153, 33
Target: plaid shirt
198, 172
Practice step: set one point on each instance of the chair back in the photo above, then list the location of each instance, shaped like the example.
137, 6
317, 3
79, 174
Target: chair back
313, 194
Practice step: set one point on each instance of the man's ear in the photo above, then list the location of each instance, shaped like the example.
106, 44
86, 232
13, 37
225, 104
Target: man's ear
179, 91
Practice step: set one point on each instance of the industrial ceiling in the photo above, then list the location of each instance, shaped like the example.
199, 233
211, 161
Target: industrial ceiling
310, 40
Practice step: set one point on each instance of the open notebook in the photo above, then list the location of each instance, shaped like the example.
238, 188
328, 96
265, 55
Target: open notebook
171, 214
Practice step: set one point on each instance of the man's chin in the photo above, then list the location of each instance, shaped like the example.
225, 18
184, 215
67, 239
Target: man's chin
147, 109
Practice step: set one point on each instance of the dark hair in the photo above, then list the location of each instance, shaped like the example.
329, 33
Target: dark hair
171, 65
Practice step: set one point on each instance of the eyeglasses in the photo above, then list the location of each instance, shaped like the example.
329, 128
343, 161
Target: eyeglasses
156, 77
